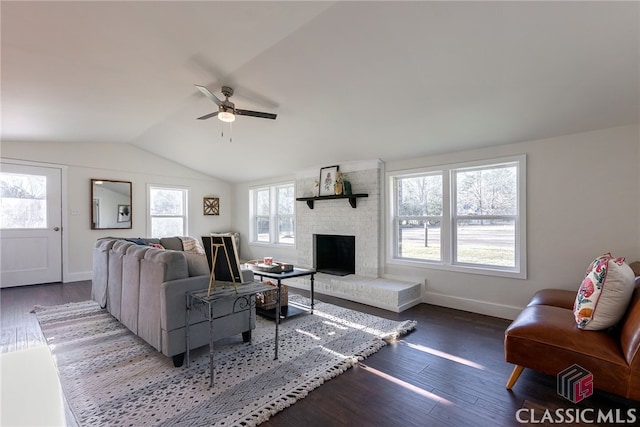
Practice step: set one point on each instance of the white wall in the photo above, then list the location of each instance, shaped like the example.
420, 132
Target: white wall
583, 199
125, 163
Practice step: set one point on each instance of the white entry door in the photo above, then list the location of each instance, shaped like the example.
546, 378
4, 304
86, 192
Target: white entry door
30, 224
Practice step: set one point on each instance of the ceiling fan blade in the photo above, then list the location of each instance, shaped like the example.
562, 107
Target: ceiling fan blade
209, 95
256, 114
208, 116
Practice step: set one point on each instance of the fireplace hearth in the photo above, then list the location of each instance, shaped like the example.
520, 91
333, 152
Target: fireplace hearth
335, 254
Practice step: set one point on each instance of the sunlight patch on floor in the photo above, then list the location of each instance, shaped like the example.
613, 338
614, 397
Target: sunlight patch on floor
335, 325
29, 380
408, 386
300, 331
349, 324
444, 355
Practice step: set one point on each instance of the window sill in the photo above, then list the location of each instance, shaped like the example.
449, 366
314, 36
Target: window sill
275, 245
435, 265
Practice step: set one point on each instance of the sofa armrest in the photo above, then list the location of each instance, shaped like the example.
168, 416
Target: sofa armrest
554, 297
173, 302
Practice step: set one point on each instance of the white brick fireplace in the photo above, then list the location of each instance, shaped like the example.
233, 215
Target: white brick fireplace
337, 217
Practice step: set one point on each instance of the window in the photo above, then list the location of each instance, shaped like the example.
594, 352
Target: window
23, 201
273, 214
167, 211
468, 217
419, 216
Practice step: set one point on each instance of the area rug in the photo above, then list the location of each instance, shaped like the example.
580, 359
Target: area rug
112, 377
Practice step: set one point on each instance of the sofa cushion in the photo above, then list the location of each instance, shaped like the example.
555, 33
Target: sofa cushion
604, 294
173, 243
197, 265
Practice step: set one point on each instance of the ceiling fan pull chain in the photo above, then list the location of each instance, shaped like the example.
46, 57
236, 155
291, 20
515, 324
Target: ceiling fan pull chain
230, 132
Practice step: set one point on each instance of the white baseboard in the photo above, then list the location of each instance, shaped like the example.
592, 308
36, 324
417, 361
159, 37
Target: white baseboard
77, 277
474, 306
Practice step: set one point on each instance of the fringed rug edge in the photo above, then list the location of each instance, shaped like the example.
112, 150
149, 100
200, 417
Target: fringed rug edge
262, 414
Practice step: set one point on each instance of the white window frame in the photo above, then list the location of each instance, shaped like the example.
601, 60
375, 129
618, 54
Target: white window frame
185, 204
448, 223
274, 215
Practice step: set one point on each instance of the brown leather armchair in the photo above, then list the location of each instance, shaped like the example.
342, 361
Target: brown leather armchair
544, 337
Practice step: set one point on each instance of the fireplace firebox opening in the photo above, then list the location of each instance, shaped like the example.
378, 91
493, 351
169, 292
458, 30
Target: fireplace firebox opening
335, 254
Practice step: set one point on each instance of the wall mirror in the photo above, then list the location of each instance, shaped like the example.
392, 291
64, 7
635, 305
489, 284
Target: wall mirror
110, 204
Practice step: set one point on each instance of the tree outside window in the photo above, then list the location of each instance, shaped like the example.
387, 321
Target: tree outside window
485, 216
419, 217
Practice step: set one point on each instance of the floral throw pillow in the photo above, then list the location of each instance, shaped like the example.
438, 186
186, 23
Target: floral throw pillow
604, 294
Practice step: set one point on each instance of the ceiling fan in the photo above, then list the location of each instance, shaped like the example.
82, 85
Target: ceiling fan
227, 110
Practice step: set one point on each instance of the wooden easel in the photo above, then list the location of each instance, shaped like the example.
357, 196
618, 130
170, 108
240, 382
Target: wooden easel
214, 256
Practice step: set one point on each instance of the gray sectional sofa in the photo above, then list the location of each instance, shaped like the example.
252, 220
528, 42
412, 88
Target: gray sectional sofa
144, 288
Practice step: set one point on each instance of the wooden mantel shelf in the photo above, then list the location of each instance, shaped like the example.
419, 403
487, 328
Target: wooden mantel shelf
352, 199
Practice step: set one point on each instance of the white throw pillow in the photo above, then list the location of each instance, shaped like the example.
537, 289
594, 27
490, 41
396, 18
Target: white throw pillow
604, 294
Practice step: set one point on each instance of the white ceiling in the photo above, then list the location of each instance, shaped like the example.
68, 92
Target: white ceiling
348, 80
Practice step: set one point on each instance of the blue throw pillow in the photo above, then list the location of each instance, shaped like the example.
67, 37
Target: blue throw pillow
138, 241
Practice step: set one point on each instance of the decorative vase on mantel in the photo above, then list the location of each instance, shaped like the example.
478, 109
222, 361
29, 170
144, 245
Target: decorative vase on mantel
337, 187
346, 187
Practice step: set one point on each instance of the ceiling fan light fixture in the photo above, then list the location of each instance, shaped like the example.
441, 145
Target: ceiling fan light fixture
226, 109
226, 116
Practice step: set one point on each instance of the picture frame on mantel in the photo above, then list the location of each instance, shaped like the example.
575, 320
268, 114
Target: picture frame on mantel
328, 176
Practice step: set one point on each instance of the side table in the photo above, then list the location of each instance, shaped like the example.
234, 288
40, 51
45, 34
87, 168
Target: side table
203, 300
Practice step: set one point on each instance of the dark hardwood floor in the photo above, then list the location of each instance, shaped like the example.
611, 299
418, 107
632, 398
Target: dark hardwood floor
19, 327
450, 371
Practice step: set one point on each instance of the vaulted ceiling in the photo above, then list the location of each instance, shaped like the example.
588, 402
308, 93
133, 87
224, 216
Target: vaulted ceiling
348, 80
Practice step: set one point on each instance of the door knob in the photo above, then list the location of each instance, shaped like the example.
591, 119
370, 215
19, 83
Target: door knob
56, 228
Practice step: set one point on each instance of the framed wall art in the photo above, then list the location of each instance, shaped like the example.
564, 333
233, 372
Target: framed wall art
211, 205
124, 213
328, 177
